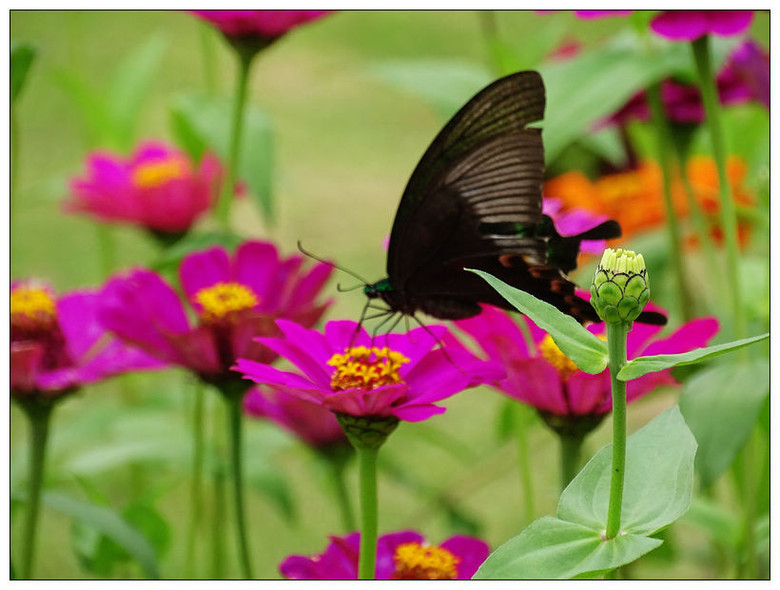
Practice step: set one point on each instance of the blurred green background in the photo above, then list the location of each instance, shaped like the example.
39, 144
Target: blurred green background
345, 142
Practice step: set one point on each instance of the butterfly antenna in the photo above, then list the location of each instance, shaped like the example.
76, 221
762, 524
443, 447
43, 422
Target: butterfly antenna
332, 264
348, 289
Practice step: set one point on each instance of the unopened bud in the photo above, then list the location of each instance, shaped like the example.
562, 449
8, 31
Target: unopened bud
620, 288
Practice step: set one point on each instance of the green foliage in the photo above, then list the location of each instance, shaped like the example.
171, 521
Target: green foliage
583, 348
572, 545
650, 364
22, 57
201, 122
721, 405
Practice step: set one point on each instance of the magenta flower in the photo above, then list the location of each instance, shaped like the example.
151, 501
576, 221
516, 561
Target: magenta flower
571, 222
596, 14
348, 372
547, 380
270, 24
158, 188
57, 343
236, 298
310, 422
404, 555
689, 25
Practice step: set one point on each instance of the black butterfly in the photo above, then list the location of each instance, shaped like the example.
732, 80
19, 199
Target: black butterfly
475, 200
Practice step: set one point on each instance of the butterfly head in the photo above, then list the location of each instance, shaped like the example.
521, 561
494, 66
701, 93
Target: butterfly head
378, 289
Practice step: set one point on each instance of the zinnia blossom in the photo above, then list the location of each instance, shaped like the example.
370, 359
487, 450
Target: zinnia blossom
310, 422
348, 372
544, 378
634, 198
574, 221
57, 343
689, 25
235, 298
158, 188
404, 555
268, 24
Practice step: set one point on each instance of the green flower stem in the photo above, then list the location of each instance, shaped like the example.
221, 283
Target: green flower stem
746, 558
571, 454
196, 485
337, 463
13, 132
209, 57
228, 189
217, 566
616, 341
368, 511
665, 147
728, 216
489, 28
524, 464
38, 415
235, 423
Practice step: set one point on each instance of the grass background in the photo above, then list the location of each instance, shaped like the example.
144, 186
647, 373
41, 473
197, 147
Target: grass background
345, 144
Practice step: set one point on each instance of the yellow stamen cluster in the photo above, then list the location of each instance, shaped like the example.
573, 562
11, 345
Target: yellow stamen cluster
158, 173
414, 561
366, 368
32, 304
222, 300
553, 355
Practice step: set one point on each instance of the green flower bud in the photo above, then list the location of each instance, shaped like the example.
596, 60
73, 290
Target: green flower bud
620, 289
367, 431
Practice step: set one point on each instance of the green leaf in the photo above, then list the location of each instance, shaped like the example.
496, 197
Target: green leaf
200, 121
22, 57
128, 89
551, 548
583, 348
107, 522
718, 521
650, 364
89, 104
721, 405
444, 84
658, 481
582, 90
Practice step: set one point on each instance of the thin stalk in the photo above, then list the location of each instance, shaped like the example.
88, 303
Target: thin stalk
489, 27
368, 511
234, 424
728, 215
38, 415
616, 344
196, 485
218, 508
228, 189
664, 146
13, 131
336, 465
524, 465
746, 562
571, 452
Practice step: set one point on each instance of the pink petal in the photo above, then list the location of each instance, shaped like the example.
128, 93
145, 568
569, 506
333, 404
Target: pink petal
726, 23
694, 334
417, 413
681, 25
536, 383
435, 378
385, 551
471, 551
309, 286
25, 361
266, 375
204, 269
359, 402
343, 334
256, 265
77, 313
586, 393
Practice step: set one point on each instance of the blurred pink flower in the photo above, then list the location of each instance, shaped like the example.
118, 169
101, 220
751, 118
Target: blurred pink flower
547, 380
595, 14
310, 422
345, 371
570, 222
57, 343
404, 555
236, 298
263, 23
689, 25
158, 188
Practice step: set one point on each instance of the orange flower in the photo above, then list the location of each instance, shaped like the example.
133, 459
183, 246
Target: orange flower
635, 197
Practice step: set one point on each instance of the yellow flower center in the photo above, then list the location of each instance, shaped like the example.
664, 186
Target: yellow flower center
157, 173
366, 368
224, 299
32, 304
553, 355
414, 561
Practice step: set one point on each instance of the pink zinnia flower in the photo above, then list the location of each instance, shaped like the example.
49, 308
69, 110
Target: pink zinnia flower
571, 222
310, 422
158, 188
236, 298
689, 25
57, 343
348, 372
404, 555
597, 14
270, 24
547, 380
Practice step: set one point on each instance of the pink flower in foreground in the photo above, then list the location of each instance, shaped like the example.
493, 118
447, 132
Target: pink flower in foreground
689, 25
310, 422
57, 343
236, 298
404, 555
270, 24
547, 380
158, 188
348, 372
